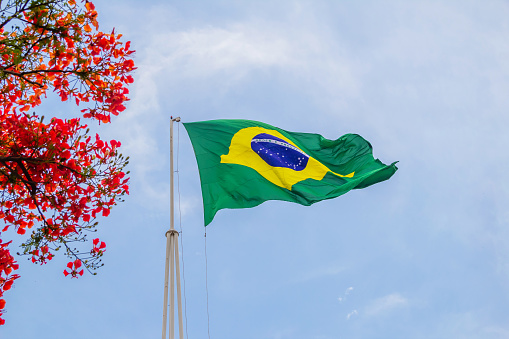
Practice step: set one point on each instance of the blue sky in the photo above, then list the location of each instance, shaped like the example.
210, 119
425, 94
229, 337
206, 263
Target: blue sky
423, 255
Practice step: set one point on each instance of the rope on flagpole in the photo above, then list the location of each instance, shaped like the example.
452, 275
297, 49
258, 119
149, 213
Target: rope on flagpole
181, 232
207, 284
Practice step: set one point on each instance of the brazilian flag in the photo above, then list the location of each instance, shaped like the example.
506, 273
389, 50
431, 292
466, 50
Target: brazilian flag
243, 163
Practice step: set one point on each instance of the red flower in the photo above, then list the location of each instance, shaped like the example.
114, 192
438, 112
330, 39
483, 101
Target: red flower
56, 168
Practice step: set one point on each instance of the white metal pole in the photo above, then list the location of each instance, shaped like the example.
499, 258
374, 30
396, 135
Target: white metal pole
166, 273
172, 227
171, 258
179, 298
172, 285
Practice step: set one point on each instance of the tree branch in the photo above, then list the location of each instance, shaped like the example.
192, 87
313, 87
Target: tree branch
22, 76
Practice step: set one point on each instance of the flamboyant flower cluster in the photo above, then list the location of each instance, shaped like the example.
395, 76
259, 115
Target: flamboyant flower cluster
7, 265
60, 49
73, 267
56, 178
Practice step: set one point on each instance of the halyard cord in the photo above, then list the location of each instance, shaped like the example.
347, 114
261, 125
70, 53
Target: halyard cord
180, 225
206, 284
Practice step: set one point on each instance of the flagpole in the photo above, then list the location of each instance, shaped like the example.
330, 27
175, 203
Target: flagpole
172, 264
166, 272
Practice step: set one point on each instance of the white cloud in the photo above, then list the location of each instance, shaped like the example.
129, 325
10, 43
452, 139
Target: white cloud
349, 315
472, 324
188, 205
328, 270
347, 292
281, 333
201, 52
386, 304
498, 331
227, 54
